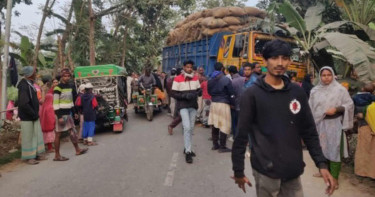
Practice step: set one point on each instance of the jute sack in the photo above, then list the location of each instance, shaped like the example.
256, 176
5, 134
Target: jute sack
207, 20
231, 20
251, 11
216, 23
209, 32
180, 23
194, 16
207, 13
221, 12
197, 23
237, 11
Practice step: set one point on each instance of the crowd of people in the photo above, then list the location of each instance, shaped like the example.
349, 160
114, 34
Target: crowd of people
47, 111
275, 116
271, 114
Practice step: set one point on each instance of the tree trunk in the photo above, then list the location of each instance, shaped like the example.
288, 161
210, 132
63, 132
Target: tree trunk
124, 47
46, 11
67, 31
91, 35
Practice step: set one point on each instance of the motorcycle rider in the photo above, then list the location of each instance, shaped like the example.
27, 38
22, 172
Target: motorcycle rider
147, 80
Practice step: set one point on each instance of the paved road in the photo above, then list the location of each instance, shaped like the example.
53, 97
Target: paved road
142, 161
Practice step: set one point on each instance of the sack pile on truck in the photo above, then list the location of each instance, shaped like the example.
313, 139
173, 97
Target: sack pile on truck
208, 22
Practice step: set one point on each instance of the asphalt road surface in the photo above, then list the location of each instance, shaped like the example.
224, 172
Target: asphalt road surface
144, 161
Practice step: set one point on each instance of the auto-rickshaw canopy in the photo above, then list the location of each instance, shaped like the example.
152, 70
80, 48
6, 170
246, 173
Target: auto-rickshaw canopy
98, 71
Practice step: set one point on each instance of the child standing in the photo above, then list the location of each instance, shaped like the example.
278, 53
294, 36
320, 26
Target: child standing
363, 98
88, 103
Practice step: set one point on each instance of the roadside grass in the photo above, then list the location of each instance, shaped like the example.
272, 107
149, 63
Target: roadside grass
10, 157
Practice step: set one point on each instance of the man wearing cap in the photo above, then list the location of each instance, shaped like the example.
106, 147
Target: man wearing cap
28, 111
64, 109
276, 115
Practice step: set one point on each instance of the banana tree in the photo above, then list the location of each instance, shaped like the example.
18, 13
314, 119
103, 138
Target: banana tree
360, 11
25, 53
313, 36
302, 29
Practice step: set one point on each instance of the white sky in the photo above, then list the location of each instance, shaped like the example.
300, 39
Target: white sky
31, 15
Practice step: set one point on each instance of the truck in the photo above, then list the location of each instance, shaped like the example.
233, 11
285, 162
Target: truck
231, 49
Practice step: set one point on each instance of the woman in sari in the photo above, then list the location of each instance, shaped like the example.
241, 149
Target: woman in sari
333, 112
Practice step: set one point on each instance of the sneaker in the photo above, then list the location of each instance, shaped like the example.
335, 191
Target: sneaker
189, 158
192, 153
231, 139
225, 150
215, 148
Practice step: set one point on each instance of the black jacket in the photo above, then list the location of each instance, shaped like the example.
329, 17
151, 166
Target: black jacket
276, 121
221, 90
28, 104
186, 91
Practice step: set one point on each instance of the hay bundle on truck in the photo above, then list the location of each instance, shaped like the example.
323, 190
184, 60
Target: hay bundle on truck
230, 35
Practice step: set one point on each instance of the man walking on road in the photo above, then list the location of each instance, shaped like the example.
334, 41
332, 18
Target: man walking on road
222, 95
276, 115
63, 105
186, 90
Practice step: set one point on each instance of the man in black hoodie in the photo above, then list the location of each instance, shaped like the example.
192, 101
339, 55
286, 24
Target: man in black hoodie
276, 115
28, 111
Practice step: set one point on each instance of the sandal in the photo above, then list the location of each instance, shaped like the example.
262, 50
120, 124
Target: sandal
32, 162
41, 158
92, 144
82, 151
85, 142
62, 158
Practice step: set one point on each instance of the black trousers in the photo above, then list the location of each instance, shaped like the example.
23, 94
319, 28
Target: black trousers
219, 139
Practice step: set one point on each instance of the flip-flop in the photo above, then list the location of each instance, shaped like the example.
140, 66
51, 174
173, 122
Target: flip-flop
62, 158
92, 144
83, 151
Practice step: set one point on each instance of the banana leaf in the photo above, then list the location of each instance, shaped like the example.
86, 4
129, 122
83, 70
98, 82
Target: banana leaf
336, 25
313, 16
293, 18
357, 52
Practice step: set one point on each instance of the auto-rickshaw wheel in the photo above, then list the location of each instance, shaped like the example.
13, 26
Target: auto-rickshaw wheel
149, 112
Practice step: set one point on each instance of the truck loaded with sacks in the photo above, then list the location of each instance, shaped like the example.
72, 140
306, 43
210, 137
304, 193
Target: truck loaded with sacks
230, 35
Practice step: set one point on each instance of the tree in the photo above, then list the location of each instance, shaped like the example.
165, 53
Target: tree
46, 12
358, 11
338, 37
220, 3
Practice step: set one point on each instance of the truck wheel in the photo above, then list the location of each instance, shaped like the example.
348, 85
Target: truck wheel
149, 112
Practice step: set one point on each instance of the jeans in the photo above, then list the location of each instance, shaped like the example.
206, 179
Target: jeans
188, 122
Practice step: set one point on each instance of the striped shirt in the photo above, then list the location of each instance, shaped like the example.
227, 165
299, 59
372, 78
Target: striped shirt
63, 100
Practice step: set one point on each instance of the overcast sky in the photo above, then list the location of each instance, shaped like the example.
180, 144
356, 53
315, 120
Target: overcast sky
28, 22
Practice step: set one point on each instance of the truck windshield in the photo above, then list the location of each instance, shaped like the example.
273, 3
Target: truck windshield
259, 44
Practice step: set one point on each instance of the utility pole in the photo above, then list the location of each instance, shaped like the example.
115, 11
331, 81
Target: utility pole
6, 54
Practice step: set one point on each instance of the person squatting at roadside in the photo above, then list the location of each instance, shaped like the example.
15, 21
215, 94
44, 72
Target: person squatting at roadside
186, 90
64, 109
276, 115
